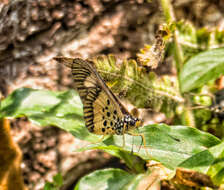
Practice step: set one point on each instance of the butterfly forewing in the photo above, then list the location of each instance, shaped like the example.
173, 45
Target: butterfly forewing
101, 108
82, 75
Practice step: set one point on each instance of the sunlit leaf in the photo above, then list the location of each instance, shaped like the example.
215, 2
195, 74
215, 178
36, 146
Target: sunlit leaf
170, 145
113, 179
210, 161
44, 108
202, 68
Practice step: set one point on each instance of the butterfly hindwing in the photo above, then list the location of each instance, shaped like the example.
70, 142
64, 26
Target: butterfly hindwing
105, 115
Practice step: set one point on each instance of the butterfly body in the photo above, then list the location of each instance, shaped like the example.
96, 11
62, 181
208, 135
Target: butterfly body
103, 112
218, 104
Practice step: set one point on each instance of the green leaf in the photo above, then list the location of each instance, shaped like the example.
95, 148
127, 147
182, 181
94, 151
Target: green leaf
49, 186
210, 161
56, 184
133, 161
170, 145
113, 179
202, 68
133, 184
44, 108
58, 180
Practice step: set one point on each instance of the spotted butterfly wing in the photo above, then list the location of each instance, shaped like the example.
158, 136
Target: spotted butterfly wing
103, 112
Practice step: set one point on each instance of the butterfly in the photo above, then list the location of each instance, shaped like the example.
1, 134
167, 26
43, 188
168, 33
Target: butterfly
218, 104
104, 114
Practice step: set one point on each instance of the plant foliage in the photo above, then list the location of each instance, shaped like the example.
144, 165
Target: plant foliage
173, 146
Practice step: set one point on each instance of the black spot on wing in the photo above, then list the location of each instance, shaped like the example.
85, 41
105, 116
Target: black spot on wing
105, 123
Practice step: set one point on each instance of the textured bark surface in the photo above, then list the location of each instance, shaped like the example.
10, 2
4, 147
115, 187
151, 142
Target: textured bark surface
30, 30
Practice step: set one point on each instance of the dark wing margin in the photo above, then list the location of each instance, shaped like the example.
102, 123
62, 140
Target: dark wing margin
80, 73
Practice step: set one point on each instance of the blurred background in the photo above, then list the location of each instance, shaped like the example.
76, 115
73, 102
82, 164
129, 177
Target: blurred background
32, 32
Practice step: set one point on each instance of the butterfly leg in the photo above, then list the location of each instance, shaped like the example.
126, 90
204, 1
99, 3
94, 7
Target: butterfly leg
123, 141
143, 139
124, 129
100, 140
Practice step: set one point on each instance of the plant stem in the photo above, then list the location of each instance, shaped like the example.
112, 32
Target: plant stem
170, 18
187, 117
178, 54
168, 11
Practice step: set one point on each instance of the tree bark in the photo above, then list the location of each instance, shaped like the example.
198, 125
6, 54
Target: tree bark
30, 28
